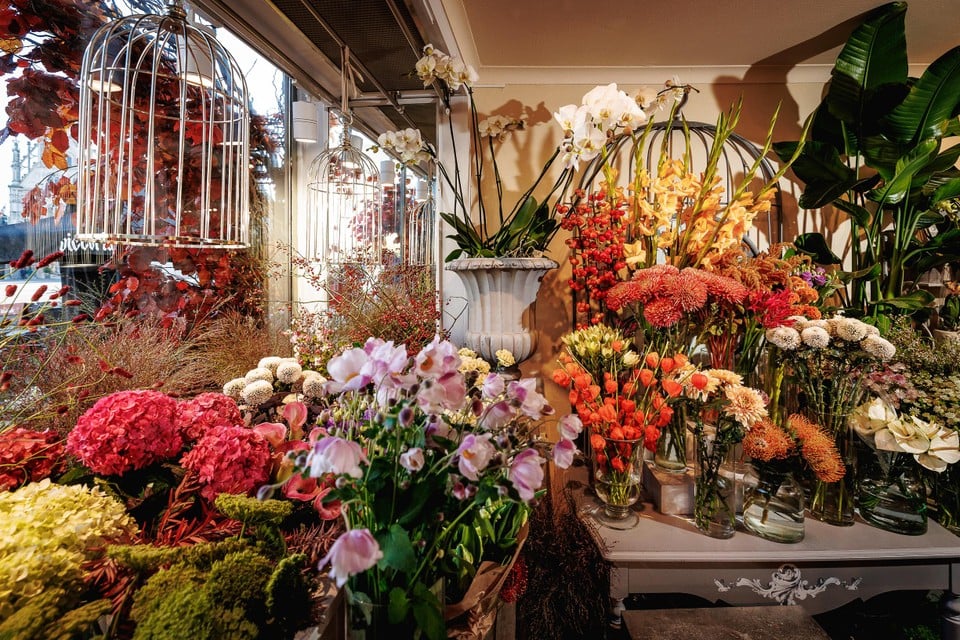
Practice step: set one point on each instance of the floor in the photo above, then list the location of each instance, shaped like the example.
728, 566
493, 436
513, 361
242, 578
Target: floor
906, 615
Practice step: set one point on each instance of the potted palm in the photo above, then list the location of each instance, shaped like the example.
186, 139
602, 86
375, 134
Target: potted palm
875, 152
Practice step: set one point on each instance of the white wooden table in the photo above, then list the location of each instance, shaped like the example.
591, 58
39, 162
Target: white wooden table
829, 568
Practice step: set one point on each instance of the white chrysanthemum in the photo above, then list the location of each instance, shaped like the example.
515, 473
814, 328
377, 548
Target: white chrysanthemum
270, 362
313, 384
871, 330
256, 393
851, 329
260, 373
289, 372
786, 338
815, 337
878, 347
798, 322
234, 388
823, 324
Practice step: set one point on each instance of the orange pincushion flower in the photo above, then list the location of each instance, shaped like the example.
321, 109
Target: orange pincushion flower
818, 449
766, 441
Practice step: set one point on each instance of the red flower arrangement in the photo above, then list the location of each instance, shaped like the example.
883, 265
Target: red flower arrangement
229, 459
197, 416
28, 456
126, 431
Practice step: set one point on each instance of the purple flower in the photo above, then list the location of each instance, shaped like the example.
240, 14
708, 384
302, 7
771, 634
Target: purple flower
337, 456
532, 403
526, 473
563, 453
437, 359
463, 492
492, 385
354, 552
569, 426
475, 454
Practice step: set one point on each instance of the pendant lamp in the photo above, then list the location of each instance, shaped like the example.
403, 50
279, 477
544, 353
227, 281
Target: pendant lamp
344, 224
164, 136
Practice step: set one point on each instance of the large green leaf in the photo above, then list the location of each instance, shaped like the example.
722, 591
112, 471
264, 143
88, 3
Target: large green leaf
874, 55
932, 101
815, 245
825, 175
894, 190
397, 550
859, 214
947, 190
913, 301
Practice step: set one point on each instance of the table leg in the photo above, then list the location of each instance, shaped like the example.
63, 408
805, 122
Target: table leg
618, 592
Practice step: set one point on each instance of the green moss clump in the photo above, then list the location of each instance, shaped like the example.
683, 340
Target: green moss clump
190, 612
239, 580
78, 622
29, 621
251, 511
152, 594
288, 593
144, 558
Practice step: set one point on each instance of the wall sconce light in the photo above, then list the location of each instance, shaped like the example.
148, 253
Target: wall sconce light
306, 121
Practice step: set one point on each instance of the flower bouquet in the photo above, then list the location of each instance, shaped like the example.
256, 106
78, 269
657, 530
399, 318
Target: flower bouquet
773, 509
434, 470
890, 490
829, 360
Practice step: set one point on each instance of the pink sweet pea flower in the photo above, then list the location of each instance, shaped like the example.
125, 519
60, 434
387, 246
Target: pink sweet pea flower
412, 460
475, 454
569, 426
526, 473
337, 456
354, 552
563, 453
492, 385
532, 403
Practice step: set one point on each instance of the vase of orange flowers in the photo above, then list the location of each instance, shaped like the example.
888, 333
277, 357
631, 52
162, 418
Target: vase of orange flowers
617, 473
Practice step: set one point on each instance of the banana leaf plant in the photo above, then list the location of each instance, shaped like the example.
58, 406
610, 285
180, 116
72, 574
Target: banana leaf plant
876, 152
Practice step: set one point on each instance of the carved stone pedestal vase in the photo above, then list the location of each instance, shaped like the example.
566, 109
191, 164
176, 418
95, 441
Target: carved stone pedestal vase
500, 295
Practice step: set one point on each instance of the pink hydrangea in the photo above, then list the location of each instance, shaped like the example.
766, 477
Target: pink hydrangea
198, 415
126, 431
28, 456
229, 459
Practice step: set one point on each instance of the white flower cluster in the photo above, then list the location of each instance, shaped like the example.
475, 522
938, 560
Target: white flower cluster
257, 386
406, 144
604, 112
933, 446
820, 334
437, 65
498, 126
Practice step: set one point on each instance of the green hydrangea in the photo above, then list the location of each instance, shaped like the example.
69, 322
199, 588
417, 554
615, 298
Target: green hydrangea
46, 532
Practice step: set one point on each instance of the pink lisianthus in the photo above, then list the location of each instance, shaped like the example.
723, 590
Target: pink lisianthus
125, 431
526, 473
229, 459
475, 454
337, 456
198, 415
29, 456
563, 452
532, 402
354, 552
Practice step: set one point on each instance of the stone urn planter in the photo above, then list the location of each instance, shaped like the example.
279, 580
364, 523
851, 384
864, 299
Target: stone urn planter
500, 297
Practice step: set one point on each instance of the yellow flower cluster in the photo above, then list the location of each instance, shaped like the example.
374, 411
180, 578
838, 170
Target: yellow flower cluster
687, 220
47, 531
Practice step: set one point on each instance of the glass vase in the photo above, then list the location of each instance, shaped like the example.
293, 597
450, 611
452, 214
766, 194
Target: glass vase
946, 495
714, 488
890, 492
617, 477
833, 502
773, 508
671, 452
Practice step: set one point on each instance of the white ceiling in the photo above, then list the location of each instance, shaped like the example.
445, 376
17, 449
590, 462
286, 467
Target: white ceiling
510, 39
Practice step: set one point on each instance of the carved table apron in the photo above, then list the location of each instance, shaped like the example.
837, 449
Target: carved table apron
829, 568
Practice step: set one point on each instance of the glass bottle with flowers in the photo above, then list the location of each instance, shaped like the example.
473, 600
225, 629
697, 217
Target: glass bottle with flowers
433, 468
722, 411
828, 360
773, 508
890, 490
623, 399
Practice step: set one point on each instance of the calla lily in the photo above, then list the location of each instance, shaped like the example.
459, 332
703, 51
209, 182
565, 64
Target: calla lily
295, 413
273, 432
871, 417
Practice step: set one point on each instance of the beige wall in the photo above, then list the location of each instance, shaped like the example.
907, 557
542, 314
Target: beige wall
522, 156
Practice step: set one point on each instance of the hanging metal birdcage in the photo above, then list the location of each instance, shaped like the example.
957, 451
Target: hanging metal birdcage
345, 225
164, 136
419, 228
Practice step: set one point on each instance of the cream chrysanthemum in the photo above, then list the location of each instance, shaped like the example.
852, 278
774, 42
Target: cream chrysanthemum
878, 347
725, 376
289, 372
256, 393
851, 329
745, 405
798, 322
233, 388
815, 337
270, 362
786, 338
260, 373
313, 384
